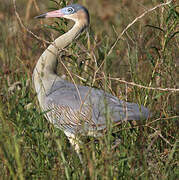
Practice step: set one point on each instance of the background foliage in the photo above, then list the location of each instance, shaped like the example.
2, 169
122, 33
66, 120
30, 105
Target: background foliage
147, 54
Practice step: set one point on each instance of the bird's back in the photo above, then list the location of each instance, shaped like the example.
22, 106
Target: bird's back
81, 108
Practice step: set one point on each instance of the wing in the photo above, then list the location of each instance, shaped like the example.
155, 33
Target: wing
86, 108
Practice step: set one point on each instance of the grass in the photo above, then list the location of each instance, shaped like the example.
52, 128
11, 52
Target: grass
32, 148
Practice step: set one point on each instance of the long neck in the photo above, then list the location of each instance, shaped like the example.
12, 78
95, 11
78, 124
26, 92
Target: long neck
44, 75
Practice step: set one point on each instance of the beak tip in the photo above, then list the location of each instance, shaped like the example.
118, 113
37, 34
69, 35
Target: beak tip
40, 16
56, 13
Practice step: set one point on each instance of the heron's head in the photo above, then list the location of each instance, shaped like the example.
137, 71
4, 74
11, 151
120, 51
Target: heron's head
74, 12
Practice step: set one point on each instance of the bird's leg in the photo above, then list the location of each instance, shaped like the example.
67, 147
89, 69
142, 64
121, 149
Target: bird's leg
75, 142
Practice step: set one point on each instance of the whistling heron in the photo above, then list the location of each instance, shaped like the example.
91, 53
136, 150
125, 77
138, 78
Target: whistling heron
77, 110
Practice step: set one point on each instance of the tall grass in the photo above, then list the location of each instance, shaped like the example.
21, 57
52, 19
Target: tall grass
32, 148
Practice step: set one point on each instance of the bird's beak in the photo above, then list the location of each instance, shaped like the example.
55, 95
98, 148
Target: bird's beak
56, 13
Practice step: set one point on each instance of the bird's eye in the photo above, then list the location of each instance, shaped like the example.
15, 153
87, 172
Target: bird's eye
70, 10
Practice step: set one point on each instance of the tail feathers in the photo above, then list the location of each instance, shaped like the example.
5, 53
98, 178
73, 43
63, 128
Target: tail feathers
136, 112
130, 111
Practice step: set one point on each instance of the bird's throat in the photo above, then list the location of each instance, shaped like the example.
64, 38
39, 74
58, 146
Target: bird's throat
44, 73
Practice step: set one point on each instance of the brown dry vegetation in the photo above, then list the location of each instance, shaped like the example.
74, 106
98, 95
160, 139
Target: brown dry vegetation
147, 54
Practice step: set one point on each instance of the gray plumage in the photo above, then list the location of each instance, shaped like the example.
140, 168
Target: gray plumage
88, 108
72, 108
